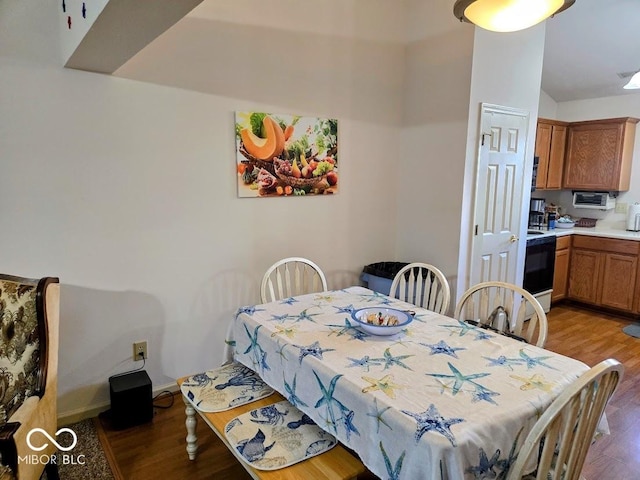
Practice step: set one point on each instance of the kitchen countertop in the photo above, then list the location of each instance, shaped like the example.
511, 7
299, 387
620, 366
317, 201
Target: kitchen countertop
596, 231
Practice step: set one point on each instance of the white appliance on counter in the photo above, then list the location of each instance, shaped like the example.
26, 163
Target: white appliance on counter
633, 217
594, 200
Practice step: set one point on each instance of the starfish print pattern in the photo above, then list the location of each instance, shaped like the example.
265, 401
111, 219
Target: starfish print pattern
329, 401
314, 350
532, 362
534, 382
365, 362
506, 463
348, 309
288, 301
503, 361
291, 393
445, 386
259, 356
348, 329
442, 348
248, 310
392, 471
459, 378
289, 332
377, 297
280, 318
431, 420
377, 414
391, 360
482, 393
303, 315
347, 420
418, 317
462, 328
401, 340
323, 298
280, 351
483, 335
384, 384
486, 466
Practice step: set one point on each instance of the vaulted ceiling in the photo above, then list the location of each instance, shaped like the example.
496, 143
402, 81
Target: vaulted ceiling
587, 47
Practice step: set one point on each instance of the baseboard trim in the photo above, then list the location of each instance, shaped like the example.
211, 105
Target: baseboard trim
90, 411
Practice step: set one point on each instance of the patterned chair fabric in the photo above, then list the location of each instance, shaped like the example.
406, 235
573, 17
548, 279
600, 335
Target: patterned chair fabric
19, 346
29, 310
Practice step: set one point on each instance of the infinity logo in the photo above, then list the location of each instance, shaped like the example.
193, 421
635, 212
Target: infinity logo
52, 440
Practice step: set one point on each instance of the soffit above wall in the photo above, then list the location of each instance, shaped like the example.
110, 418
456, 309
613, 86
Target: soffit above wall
123, 28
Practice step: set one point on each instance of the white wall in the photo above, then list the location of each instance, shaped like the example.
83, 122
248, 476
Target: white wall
432, 156
593, 109
452, 68
548, 107
507, 70
126, 191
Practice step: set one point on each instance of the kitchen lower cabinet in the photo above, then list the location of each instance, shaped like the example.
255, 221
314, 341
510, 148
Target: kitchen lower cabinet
583, 275
604, 272
617, 290
561, 269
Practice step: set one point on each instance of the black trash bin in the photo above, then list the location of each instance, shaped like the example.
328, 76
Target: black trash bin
379, 276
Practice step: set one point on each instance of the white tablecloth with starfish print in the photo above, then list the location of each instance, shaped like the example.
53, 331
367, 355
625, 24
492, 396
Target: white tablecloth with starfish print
441, 400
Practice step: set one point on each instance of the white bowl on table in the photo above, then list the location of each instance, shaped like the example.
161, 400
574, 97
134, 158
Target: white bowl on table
565, 224
388, 317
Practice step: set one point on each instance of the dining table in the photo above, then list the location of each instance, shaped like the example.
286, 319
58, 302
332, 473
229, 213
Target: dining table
442, 399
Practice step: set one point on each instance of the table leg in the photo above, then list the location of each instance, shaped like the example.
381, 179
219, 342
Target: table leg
191, 422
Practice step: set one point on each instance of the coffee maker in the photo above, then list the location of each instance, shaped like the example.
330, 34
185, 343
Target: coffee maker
536, 213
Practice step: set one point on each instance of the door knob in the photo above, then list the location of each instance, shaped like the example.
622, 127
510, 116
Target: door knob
513, 238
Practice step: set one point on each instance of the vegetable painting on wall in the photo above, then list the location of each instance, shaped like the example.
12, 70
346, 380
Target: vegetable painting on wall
286, 155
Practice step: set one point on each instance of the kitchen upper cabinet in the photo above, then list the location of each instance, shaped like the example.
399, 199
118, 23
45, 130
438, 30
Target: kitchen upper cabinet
551, 139
604, 272
599, 154
561, 268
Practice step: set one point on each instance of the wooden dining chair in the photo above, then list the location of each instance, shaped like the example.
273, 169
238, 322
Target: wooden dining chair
290, 277
506, 308
561, 437
423, 285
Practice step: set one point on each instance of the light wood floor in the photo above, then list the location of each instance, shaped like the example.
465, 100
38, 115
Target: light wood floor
157, 450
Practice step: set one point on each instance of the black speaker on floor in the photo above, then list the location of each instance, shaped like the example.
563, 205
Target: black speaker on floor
131, 399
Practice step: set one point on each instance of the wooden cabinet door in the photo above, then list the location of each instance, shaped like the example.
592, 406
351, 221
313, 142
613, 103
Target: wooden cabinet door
560, 275
618, 281
592, 157
599, 154
543, 152
584, 272
556, 157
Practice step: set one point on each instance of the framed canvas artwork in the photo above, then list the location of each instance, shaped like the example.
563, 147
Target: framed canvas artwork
285, 155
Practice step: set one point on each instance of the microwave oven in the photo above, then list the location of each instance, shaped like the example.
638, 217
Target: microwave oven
594, 200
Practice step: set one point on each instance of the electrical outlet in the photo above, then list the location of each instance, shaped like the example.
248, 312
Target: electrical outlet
140, 350
621, 207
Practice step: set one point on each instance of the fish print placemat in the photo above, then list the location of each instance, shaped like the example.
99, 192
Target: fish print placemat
276, 436
224, 388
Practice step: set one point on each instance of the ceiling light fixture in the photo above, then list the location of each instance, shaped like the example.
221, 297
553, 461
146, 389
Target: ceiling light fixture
507, 15
634, 82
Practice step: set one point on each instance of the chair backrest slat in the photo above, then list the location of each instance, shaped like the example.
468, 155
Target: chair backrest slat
423, 285
568, 426
525, 315
290, 277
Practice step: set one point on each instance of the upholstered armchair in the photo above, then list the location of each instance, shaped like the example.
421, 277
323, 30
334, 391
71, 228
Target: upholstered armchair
29, 319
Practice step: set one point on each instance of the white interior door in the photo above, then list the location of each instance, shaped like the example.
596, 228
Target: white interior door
499, 194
